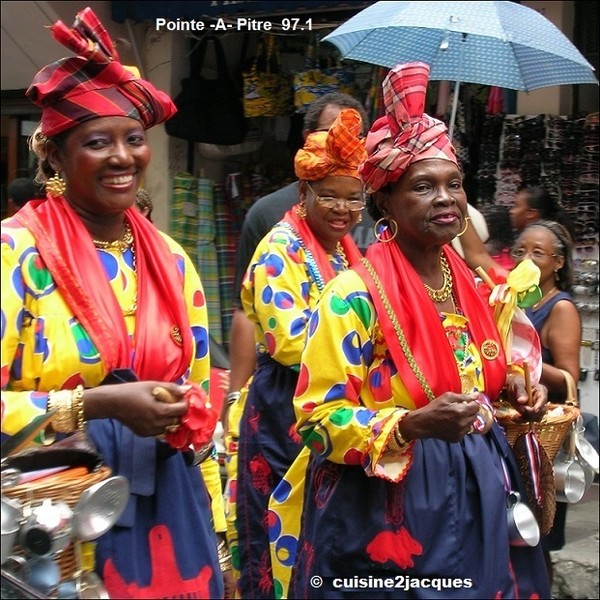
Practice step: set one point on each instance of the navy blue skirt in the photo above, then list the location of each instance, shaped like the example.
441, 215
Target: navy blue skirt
267, 447
439, 533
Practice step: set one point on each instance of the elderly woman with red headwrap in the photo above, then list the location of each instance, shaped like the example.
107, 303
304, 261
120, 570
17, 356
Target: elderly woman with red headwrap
409, 477
92, 294
284, 280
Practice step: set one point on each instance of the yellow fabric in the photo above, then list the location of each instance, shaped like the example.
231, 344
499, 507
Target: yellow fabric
231, 436
212, 477
522, 279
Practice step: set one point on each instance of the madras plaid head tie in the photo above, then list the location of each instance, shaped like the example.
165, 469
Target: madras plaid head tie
405, 133
339, 151
94, 83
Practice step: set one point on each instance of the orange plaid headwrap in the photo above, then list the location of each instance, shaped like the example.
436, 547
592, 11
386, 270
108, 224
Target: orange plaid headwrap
94, 83
338, 151
405, 133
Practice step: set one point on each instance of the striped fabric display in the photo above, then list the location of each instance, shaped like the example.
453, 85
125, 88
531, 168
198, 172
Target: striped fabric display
226, 238
205, 252
208, 270
206, 212
184, 213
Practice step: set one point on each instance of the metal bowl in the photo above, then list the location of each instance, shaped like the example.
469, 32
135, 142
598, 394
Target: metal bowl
99, 507
12, 516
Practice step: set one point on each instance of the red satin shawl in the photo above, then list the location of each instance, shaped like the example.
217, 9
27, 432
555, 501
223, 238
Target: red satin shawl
422, 326
302, 228
68, 252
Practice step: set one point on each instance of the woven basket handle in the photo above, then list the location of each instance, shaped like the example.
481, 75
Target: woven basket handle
571, 389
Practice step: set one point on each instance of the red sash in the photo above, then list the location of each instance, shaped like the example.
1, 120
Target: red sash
163, 341
421, 324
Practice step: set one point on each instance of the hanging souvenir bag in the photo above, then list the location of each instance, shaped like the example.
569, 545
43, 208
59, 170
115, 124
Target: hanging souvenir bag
313, 82
267, 90
208, 110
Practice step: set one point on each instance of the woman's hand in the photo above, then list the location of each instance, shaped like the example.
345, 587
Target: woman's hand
516, 394
449, 417
135, 405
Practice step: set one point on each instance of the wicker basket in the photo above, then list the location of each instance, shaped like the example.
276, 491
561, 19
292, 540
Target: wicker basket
551, 430
66, 490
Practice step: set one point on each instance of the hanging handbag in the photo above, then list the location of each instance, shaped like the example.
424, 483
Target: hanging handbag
267, 90
313, 82
208, 110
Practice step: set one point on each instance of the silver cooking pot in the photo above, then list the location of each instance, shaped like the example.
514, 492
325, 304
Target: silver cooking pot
523, 528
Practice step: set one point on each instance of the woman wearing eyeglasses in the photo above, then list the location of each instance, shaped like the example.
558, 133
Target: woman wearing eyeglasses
284, 280
558, 324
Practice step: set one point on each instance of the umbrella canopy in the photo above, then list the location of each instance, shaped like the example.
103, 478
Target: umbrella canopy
499, 44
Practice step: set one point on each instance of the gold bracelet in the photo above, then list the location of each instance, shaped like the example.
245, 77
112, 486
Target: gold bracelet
77, 408
62, 401
396, 443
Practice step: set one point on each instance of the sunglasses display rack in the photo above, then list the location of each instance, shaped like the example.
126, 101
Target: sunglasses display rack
559, 153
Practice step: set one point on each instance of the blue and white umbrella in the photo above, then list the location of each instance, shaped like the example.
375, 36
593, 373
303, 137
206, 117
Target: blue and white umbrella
501, 44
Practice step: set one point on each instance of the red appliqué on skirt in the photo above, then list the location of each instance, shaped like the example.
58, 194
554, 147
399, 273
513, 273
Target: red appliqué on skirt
399, 547
166, 579
260, 471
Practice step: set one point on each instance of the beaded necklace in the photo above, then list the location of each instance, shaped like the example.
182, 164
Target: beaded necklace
311, 263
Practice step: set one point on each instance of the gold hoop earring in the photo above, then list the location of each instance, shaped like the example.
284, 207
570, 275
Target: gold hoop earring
301, 210
391, 224
56, 186
467, 219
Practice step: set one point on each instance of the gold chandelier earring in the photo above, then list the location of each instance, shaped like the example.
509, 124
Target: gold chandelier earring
383, 224
56, 186
301, 210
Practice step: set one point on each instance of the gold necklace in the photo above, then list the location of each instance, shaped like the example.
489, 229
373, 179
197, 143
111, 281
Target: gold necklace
340, 251
120, 245
442, 294
545, 298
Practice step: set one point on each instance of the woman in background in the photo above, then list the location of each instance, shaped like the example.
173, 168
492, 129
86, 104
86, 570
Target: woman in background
557, 321
283, 283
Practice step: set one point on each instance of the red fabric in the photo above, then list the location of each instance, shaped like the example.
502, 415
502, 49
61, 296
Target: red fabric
94, 83
302, 228
421, 324
68, 252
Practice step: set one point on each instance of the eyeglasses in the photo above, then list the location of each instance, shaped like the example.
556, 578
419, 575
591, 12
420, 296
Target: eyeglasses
353, 204
519, 253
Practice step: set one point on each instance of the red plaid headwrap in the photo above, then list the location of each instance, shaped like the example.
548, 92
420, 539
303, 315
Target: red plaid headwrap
338, 151
405, 133
94, 83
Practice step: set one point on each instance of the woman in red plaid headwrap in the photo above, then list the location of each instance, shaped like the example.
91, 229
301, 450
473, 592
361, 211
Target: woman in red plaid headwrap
92, 294
401, 362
